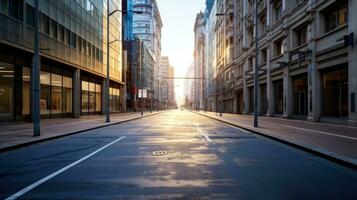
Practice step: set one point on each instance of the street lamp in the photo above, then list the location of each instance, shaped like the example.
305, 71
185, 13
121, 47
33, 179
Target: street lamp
109, 14
35, 76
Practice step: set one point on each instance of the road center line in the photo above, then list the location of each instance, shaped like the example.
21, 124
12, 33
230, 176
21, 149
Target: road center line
203, 133
39, 182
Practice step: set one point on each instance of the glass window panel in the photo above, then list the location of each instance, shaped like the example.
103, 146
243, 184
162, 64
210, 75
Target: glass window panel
45, 78
67, 82
67, 100
92, 87
6, 89
56, 80
30, 15
85, 85
91, 101
56, 100
4, 6
45, 99
25, 90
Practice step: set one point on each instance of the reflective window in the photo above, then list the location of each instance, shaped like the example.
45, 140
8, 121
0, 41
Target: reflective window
6, 89
25, 91
335, 93
67, 95
45, 95
56, 94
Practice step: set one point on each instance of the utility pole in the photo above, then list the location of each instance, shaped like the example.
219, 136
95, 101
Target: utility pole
256, 66
107, 107
141, 77
35, 76
221, 106
152, 92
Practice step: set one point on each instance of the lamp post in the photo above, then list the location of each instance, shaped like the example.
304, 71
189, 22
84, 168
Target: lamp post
109, 14
35, 76
256, 66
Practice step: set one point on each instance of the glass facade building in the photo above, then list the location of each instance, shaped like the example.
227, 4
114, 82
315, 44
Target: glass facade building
72, 40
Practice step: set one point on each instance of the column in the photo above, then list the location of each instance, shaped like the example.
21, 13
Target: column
352, 63
76, 93
314, 77
245, 90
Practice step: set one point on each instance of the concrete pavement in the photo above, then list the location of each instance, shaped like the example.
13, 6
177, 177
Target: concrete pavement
17, 134
334, 141
174, 155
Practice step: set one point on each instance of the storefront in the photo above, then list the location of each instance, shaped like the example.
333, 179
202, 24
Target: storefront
55, 92
240, 105
300, 85
278, 97
114, 98
6, 91
335, 93
91, 95
263, 99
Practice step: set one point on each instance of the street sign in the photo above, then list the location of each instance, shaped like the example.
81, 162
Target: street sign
143, 92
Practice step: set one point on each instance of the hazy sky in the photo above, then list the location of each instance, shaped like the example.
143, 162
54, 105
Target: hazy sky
178, 18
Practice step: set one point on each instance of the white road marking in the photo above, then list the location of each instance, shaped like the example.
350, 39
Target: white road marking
202, 132
39, 182
321, 132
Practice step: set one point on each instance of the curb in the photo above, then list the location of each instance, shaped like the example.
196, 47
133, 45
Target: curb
25, 144
336, 158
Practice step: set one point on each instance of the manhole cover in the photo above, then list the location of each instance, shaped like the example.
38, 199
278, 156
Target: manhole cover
159, 153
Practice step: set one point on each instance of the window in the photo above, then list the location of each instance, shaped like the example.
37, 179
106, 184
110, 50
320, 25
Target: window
16, 9
262, 25
278, 47
263, 56
60, 33
45, 24
73, 42
300, 36
6, 89
250, 63
67, 36
54, 29
278, 97
335, 17
278, 10
4, 6
30, 15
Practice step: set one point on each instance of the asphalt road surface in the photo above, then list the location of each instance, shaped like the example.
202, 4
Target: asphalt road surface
173, 155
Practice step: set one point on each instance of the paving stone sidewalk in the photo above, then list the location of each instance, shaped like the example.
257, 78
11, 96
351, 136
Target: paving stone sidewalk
337, 141
16, 134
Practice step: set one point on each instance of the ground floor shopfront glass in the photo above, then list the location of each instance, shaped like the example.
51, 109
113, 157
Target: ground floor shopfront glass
335, 93
55, 92
6, 90
91, 97
114, 95
300, 85
278, 97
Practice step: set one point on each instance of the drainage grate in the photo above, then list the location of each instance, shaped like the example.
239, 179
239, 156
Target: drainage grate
159, 153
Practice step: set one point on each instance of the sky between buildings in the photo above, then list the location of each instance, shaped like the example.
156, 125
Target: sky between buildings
178, 17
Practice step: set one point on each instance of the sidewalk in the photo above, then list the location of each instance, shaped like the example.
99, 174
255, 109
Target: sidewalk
337, 141
16, 134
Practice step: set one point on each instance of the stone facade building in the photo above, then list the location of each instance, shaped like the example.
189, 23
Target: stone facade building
307, 59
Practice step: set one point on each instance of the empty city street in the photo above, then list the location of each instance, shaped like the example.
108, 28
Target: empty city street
173, 155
